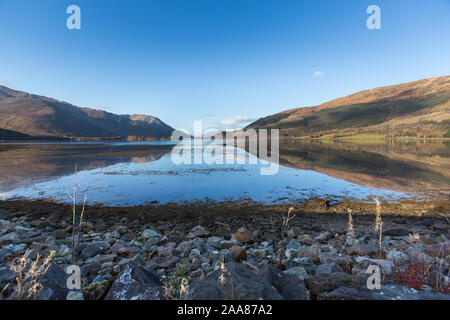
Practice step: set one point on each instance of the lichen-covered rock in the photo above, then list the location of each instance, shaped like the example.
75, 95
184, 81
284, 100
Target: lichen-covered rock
136, 283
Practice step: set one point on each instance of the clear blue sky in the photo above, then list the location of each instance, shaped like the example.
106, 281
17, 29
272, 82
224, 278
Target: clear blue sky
210, 60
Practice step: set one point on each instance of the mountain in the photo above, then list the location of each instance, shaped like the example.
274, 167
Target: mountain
419, 108
35, 115
8, 134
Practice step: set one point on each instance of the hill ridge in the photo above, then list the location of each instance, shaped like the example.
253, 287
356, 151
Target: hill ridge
427, 101
37, 115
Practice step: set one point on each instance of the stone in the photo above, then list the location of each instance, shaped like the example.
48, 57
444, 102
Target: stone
340, 278
90, 268
100, 259
351, 241
198, 232
243, 235
262, 253
75, 295
329, 257
63, 251
233, 282
327, 269
365, 250
206, 266
265, 244
128, 236
418, 255
162, 262
195, 252
97, 289
197, 273
115, 234
305, 239
323, 237
165, 251
288, 285
107, 265
148, 233
291, 248
6, 277
38, 223
226, 244
4, 214
124, 249
318, 284
94, 249
298, 271
122, 229
307, 264
53, 284
149, 243
398, 292
213, 254
397, 256
214, 243
136, 283
344, 293
11, 238
312, 252
239, 253
438, 250
12, 250
290, 233
293, 245
385, 265
163, 240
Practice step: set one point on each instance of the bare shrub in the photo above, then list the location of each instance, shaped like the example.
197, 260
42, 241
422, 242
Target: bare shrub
76, 227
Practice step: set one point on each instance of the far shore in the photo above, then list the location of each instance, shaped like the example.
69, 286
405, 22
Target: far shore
369, 138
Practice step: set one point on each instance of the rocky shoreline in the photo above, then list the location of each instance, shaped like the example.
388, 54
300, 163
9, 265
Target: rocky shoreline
223, 252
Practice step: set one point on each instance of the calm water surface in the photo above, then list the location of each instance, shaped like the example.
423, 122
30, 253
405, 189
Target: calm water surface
122, 173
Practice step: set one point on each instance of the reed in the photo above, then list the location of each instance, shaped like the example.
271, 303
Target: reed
76, 227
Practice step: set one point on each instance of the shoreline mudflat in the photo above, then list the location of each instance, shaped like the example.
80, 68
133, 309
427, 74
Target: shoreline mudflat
401, 207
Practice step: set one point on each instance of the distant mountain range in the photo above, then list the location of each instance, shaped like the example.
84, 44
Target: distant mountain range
23, 114
420, 108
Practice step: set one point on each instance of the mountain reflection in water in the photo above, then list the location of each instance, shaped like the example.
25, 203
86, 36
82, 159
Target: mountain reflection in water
123, 173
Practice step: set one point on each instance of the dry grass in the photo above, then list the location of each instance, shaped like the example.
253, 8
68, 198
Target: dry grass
29, 273
75, 225
379, 226
350, 229
285, 220
223, 281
